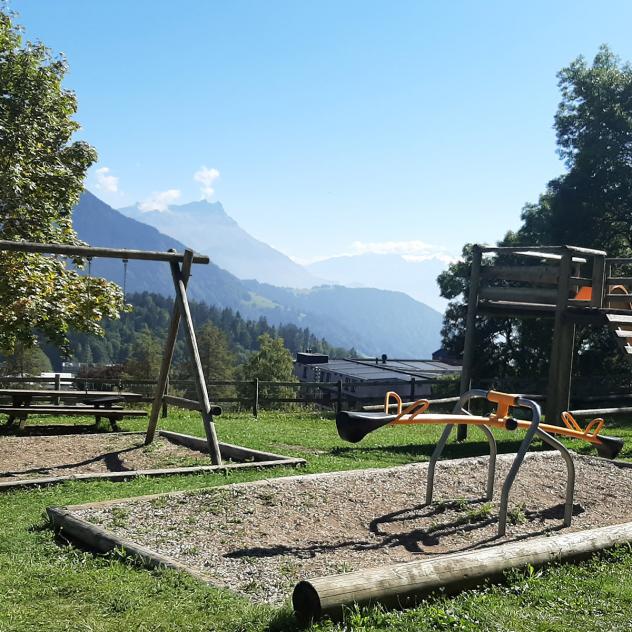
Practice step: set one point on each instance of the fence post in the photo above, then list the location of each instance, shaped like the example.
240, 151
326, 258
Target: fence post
165, 410
339, 397
57, 388
255, 397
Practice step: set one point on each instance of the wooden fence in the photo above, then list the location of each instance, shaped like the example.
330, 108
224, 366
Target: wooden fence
249, 394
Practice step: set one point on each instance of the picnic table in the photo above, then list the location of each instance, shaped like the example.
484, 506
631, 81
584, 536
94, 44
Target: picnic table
98, 403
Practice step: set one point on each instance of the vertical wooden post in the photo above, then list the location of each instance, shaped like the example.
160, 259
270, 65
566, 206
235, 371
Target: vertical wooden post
255, 397
606, 290
339, 396
57, 388
167, 357
165, 410
470, 334
412, 389
598, 280
198, 373
561, 362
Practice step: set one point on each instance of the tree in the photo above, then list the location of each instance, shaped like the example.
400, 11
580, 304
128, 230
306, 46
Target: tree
590, 205
271, 363
144, 358
25, 361
41, 178
218, 361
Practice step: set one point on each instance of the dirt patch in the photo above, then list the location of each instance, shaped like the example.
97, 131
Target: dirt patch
40, 456
260, 538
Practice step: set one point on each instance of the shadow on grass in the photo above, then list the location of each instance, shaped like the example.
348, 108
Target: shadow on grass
112, 461
34, 430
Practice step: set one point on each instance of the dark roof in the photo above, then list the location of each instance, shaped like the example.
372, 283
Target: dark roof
391, 371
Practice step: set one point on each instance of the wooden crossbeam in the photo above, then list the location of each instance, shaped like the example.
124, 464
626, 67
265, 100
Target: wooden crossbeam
94, 251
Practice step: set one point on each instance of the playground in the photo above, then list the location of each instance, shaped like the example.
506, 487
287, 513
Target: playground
259, 539
512, 494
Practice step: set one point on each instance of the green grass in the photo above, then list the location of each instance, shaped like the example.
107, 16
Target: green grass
49, 585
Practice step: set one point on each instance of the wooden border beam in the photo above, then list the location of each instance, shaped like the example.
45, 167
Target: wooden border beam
94, 251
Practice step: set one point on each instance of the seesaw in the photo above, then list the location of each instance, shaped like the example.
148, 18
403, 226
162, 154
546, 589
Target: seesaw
354, 426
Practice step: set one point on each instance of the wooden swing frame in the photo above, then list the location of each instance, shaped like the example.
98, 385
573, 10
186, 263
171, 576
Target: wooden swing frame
180, 264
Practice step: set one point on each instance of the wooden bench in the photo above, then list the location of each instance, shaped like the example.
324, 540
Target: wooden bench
112, 413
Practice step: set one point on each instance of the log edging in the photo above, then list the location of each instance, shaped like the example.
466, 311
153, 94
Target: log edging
401, 585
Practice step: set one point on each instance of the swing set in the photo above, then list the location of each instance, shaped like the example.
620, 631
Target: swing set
180, 265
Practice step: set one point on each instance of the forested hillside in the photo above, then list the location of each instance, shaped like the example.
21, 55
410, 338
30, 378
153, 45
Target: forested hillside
149, 320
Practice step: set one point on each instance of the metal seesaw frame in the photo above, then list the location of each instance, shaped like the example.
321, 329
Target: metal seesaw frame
531, 432
353, 426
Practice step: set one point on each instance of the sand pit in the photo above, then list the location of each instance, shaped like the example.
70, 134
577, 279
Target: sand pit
260, 538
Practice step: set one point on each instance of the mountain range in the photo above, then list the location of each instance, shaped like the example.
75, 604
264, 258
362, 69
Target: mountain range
416, 277
371, 320
205, 227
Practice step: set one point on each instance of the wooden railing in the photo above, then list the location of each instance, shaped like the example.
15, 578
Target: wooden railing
555, 279
623, 279
249, 394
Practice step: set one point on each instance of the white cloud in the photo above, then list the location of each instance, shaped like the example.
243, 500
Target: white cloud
413, 251
206, 177
106, 181
159, 201
439, 256
413, 247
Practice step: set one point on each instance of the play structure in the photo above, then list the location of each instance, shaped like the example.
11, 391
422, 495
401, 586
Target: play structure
180, 264
354, 426
567, 284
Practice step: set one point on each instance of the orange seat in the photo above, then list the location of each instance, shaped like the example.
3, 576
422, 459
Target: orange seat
584, 294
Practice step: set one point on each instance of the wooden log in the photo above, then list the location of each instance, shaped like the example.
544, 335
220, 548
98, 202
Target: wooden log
598, 281
198, 373
598, 412
92, 251
399, 585
190, 404
525, 274
470, 333
561, 360
167, 358
255, 397
229, 450
540, 296
544, 250
131, 474
442, 400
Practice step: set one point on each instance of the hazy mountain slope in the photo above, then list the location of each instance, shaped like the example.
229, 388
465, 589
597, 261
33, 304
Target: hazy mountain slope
100, 225
374, 321
388, 272
207, 228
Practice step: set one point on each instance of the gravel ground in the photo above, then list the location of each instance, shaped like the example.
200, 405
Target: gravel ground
260, 538
67, 455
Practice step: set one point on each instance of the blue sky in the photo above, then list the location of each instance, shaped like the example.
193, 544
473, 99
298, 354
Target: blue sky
327, 127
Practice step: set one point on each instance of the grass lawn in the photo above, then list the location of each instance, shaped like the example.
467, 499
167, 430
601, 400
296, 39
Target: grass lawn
48, 586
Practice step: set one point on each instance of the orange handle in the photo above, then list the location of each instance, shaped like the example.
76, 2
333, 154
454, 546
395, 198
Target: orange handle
503, 402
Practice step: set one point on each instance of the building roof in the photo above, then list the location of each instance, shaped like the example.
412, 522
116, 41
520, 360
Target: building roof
391, 370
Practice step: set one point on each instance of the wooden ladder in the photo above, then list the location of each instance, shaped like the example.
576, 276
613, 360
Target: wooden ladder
621, 325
